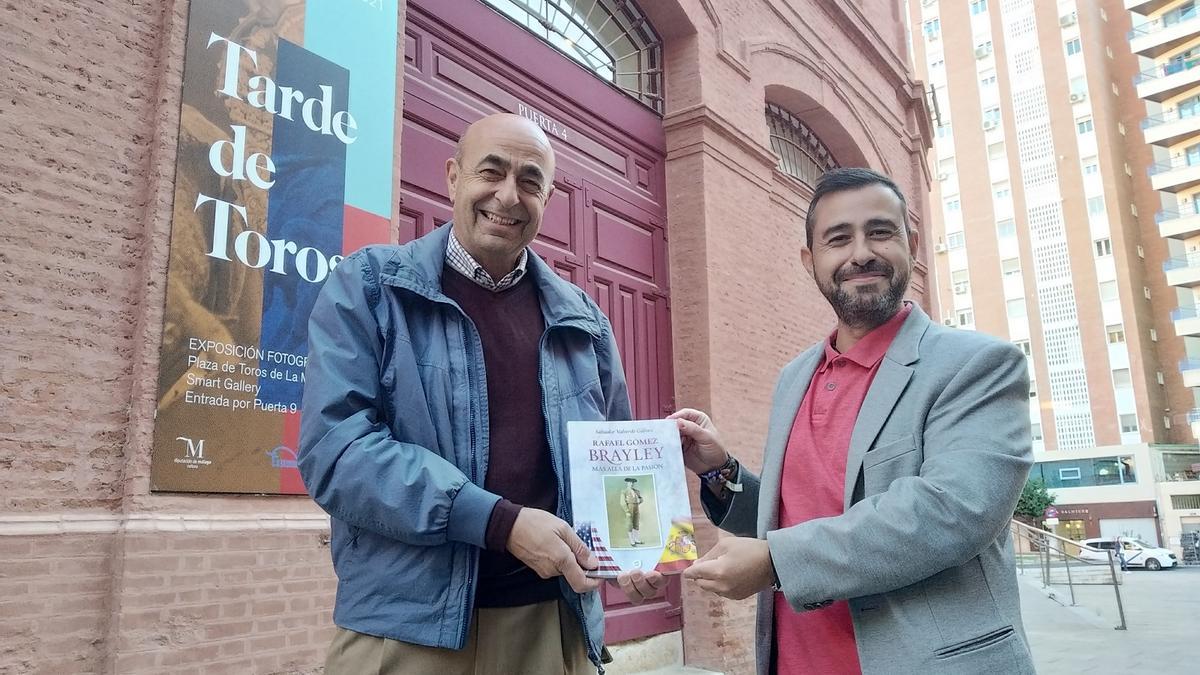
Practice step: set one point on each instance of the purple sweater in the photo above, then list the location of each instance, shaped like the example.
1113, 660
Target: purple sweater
510, 325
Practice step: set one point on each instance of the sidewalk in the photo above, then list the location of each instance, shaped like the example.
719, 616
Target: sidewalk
1161, 608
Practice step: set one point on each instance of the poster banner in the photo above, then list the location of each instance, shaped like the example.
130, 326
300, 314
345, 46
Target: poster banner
284, 167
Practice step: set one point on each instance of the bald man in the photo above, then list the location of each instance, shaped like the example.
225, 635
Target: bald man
441, 376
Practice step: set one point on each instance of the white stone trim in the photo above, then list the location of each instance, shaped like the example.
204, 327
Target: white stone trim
20, 524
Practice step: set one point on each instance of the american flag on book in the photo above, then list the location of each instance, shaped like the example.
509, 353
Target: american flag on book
591, 536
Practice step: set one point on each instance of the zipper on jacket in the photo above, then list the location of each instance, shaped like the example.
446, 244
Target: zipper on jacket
562, 498
465, 624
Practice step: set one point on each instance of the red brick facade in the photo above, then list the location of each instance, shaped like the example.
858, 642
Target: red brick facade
99, 575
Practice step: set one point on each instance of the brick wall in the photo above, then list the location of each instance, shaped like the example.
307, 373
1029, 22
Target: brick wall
99, 575
55, 605
228, 603
96, 574
74, 156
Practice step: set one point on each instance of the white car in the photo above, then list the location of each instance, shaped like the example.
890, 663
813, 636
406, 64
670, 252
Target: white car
1137, 553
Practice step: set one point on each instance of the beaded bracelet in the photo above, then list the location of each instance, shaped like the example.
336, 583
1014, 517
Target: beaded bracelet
721, 478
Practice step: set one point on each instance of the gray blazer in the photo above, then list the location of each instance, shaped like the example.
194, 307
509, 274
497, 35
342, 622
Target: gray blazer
937, 459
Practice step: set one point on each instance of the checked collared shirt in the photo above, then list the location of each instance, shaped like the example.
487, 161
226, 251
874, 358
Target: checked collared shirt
461, 261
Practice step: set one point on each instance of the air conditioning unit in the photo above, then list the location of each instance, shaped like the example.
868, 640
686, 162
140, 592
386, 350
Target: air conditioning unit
949, 321
939, 248
1078, 97
982, 51
943, 176
1067, 20
988, 125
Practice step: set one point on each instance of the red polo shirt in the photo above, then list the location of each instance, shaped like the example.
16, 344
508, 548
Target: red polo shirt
813, 486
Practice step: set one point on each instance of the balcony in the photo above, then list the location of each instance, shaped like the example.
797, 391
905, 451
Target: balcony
1172, 126
1146, 6
1165, 80
1187, 321
1164, 33
1177, 173
1191, 373
1183, 223
1183, 271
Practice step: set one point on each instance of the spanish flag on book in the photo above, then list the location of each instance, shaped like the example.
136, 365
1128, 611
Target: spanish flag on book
680, 549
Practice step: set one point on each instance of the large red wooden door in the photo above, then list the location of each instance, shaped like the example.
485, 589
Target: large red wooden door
605, 227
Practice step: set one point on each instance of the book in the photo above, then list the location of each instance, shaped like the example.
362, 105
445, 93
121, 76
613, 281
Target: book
629, 497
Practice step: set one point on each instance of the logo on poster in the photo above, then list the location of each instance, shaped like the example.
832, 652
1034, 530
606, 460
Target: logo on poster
282, 457
193, 456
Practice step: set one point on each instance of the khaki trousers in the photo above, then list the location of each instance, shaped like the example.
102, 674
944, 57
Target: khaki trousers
534, 639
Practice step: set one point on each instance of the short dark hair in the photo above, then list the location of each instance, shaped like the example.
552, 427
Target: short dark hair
851, 178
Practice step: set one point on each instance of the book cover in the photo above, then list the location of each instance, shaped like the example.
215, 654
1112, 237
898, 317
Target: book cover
629, 495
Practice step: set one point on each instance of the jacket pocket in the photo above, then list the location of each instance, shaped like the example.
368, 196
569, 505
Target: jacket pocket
975, 644
888, 451
584, 404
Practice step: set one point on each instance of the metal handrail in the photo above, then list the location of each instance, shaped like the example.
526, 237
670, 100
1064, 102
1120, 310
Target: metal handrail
1165, 70
1174, 115
1177, 162
1169, 20
1191, 259
1050, 535
1187, 210
1044, 541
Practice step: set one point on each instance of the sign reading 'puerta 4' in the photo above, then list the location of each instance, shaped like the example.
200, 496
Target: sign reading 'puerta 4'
284, 166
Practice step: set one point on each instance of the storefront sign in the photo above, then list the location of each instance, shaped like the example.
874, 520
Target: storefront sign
284, 166
1051, 516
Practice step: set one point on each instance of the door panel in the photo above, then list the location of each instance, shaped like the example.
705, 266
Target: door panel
626, 248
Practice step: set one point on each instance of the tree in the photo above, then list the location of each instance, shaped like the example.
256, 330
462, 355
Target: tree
1033, 502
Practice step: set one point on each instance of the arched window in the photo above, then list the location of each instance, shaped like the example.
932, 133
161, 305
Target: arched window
612, 38
801, 154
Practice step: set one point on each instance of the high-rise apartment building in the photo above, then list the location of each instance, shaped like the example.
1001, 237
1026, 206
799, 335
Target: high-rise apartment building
1043, 213
1165, 38
1045, 226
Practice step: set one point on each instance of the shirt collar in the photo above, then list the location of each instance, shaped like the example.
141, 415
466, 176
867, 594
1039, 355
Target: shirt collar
461, 261
871, 348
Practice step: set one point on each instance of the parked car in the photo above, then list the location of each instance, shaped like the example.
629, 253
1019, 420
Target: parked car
1137, 553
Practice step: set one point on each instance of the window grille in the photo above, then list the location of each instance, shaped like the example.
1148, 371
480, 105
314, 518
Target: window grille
611, 38
801, 154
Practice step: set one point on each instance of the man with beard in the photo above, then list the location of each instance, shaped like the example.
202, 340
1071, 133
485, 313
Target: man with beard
877, 535
441, 377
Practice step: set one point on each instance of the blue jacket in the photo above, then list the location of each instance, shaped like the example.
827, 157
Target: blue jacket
394, 435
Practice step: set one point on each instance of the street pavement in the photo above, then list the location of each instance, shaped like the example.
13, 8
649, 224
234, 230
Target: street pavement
1162, 610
